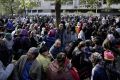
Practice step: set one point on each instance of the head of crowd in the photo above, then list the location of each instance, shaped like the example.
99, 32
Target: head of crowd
80, 48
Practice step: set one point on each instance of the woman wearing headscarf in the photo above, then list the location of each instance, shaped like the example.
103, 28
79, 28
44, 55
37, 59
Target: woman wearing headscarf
60, 69
21, 43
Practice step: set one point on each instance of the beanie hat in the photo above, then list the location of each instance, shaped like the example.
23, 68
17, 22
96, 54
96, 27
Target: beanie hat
108, 55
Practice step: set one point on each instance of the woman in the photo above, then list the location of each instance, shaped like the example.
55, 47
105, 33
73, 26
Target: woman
60, 69
44, 59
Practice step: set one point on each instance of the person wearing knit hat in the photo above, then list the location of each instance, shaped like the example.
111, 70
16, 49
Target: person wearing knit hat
27, 66
108, 55
110, 65
60, 69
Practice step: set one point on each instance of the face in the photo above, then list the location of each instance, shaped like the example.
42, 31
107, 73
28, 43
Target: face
58, 44
68, 47
30, 55
45, 53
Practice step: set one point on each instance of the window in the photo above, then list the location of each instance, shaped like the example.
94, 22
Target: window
34, 11
39, 3
39, 11
29, 11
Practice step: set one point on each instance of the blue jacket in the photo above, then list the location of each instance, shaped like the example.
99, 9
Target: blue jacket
99, 73
54, 51
10, 25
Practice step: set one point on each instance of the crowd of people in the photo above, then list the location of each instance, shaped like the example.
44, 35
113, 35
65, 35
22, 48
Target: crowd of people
80, 48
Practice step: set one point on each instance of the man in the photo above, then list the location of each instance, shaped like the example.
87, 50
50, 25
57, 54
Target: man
60, 33
56, 48
80, 62
98, 72
28, 68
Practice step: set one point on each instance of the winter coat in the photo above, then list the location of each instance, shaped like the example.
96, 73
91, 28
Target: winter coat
54, 73
99, 73
35, 70
5, 72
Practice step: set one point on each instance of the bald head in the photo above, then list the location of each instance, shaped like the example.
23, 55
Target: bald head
58, 43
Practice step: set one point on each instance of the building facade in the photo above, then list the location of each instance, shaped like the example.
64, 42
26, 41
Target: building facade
47, 7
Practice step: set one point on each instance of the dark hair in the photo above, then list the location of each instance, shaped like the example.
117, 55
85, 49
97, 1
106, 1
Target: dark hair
61, 57
43, 47
4, 55
2, 34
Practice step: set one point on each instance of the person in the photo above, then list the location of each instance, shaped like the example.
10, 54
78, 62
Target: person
27, 67
21, 44
4, 53
109, 41
80, 62
17, 44
69, 49
44, 57
9, 26
88, 49
67, 34
9, 43
81, 35
5, 72
60, 33
50, 39
33, 40
97, 46
56, 48
112, 72
98, 71
60, 69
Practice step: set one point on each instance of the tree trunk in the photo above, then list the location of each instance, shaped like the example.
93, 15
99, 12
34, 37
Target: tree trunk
12, 12
58, 12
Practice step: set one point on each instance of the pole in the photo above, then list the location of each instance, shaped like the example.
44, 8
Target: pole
24, 7
96, 9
